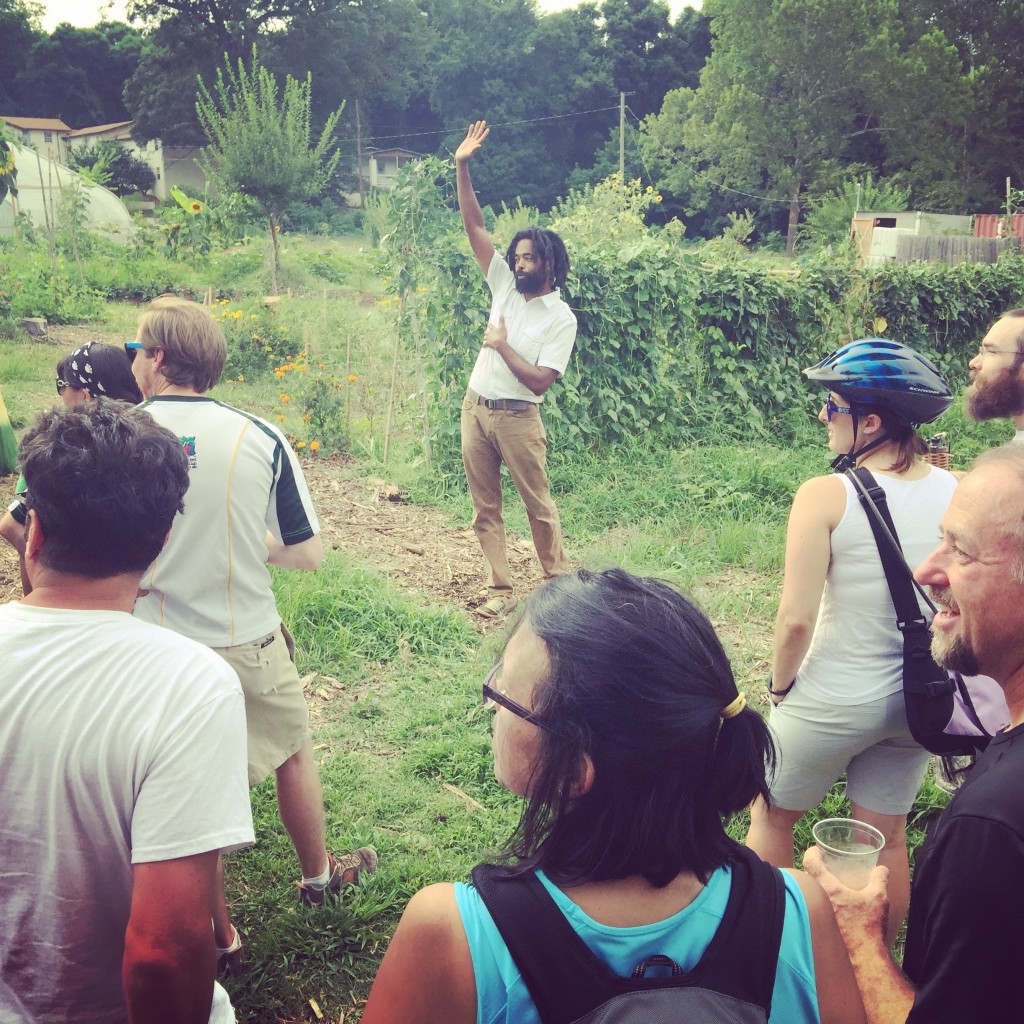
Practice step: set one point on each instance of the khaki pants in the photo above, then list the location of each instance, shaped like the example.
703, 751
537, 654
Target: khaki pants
489, 438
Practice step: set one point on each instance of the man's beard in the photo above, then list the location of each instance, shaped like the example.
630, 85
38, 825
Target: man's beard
531, 281
952, 652
998, 399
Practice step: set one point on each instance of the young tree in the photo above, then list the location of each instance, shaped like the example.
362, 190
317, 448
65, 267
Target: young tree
260, 141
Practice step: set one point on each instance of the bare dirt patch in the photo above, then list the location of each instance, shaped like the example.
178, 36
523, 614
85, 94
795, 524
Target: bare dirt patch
415, 545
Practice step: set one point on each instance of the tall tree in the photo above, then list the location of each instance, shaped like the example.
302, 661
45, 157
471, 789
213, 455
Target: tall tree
788, 87
19, 28
260, 140
984, 135
648, 55
78, 74
375, 62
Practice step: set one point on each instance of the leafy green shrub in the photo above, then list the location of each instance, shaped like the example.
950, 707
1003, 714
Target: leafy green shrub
36, 285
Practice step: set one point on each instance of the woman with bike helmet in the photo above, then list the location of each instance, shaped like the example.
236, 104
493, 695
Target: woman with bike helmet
837, 667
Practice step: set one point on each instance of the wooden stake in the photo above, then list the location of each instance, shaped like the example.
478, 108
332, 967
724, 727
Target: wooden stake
421, 384
348, 384
394, 378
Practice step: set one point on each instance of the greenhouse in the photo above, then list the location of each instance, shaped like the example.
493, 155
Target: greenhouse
42, 185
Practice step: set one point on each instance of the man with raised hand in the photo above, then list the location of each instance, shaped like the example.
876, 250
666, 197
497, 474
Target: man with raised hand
247, 505
526, 348
111, 731
965, 939
997, 374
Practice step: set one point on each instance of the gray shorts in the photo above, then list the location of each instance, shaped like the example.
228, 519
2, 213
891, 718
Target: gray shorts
276, 717
817, 742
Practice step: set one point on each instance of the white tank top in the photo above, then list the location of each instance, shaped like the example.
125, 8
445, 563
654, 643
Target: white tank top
856, 652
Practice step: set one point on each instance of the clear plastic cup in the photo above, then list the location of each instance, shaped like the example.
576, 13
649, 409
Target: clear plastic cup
849, 848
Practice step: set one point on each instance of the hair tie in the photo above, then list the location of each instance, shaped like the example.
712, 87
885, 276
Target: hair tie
733, 709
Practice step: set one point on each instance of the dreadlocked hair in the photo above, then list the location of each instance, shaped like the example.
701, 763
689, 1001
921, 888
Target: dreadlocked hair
548, 246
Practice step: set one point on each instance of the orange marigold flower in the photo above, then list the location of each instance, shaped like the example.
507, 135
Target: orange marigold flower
314, 446
352, 378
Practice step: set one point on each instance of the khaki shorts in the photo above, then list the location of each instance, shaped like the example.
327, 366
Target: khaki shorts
276, 717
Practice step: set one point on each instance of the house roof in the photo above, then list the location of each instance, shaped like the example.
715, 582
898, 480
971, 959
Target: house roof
99, 129
38, 124
396, 151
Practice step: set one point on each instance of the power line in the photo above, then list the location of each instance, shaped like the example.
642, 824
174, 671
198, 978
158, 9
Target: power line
499, 124
585, 113
706, 177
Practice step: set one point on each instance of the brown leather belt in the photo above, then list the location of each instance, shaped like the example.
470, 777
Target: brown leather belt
515, 404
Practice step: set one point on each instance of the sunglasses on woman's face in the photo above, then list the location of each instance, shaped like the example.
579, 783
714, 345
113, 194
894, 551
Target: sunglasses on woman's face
831, 409
493, 698
62, 385
132, 348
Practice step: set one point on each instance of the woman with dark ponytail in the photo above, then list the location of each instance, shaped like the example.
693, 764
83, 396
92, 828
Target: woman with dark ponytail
619, 722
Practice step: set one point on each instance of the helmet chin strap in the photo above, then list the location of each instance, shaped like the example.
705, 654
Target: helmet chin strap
841, 463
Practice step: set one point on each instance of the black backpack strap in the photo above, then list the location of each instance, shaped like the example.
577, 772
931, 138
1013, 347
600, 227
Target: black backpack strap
900, 579
566, 980
750, 934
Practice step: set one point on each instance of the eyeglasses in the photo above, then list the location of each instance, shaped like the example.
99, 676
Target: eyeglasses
492, 698
982, 351
132, 348
831, 409
61, 385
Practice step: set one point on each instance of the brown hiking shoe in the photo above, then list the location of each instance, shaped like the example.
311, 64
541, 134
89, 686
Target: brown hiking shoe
345, 870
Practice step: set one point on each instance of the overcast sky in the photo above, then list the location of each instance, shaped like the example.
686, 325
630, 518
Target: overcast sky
85, 13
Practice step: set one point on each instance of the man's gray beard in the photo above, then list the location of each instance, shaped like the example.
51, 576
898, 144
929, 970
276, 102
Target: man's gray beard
955, 655
999, 400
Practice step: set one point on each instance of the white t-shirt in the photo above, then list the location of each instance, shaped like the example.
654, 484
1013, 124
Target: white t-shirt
542, 331
856, 653
121, 744
211, 581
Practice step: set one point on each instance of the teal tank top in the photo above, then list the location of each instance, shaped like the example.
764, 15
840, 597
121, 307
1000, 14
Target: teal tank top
502, 997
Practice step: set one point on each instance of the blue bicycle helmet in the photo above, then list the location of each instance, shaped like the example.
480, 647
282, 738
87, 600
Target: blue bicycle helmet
885, 374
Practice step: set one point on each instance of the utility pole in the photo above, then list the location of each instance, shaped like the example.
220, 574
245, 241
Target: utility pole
622, 138
359, 158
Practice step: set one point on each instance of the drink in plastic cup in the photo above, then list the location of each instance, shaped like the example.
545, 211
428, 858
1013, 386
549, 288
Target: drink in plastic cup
849, 848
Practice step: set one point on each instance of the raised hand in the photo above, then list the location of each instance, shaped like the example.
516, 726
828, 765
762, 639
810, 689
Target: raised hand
478, 131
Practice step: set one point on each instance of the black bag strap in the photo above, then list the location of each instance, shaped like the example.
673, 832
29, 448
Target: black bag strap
898, 574
900, 579
566, 980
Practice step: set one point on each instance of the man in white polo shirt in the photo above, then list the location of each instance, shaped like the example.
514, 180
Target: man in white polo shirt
526, 348
247, 505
